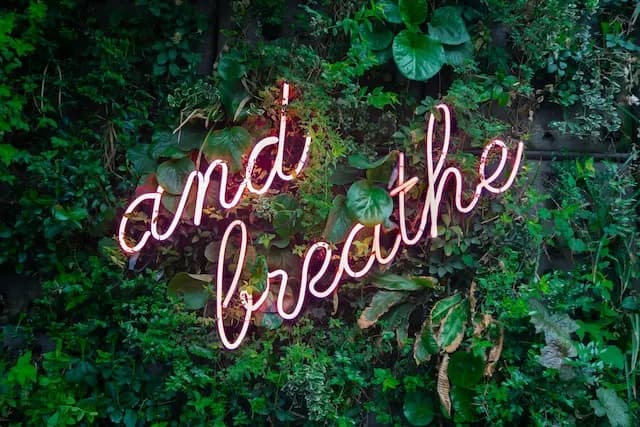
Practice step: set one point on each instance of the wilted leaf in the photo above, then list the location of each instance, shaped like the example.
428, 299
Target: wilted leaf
418, 408
494, 355
443, 385
380, 304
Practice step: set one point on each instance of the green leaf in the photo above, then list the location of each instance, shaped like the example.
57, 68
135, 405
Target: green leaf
140, 158
457, 55
23, 371
613, 406
375, 35
368, 204
442, 307
286, 219
418, 408
465, 369
447, 26
452, 327
165, 144
8, 152
391, 11
189, 138
360, 161
394, 282
232, 95
413, 12
462, 402
613, 356
172, 174
418, 57
231, 66
425, 344
339, 221
191, 288
380, 304
228, 144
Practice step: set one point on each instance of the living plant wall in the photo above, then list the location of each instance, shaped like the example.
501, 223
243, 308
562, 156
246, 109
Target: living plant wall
524, 311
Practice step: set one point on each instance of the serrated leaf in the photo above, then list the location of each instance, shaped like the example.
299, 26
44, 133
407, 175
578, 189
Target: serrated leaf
465, 369
413, 12
418, 57
191, 288
227, 144
447, 26
339, 221
418, 408
381, 302
172, 174
368, 204
555, 326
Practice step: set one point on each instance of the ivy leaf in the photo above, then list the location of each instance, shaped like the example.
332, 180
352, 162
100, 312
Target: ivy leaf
227, 144
418, 408
613, 406
413, 12
380, 304
457, 55
394, 282
418, 57
191, 288
391, 11
339, 221
172, 174
448, 27
368, 204
465, 369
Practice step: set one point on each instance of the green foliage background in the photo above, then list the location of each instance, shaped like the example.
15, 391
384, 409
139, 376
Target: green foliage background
525, 313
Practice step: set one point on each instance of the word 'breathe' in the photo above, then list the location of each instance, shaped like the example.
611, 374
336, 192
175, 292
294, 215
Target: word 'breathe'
437, 176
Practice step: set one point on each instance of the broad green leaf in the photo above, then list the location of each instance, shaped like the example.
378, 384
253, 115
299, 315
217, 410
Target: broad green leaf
165, 144
368, 204
270, 321
462, 402
457, 55
555, 326
394, 282
418, 57
231, 66
191, 288
442, 307
140, 158
228, 144
397, 319
376, 35
344, 175
391, 11
189, 138
23, 371
452, 327
360, 161
413, 12
613, 406
232, 95
380, 304
465, 369
425, 344
172, 174
339, 221
418, 408
383, 56
8, 152
613, 356
447, 26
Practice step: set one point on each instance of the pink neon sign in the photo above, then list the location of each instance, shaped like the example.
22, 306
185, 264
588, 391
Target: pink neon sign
437, 177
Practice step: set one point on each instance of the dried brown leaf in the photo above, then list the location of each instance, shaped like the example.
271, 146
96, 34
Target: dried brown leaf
482, 325
494, 355
472, 298
443, 385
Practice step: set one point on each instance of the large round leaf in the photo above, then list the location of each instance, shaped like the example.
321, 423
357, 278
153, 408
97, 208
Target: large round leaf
228, 144
172, 174
165, 144
391, 11
456, 55
465, 369
417, 56
375, 35
140, 158
447, 26
418, 408
368, 204
413, 12
191, 288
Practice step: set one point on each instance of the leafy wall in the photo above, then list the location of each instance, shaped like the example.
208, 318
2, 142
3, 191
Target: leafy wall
524, 312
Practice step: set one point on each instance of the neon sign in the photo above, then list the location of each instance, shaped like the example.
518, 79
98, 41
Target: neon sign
437, 177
